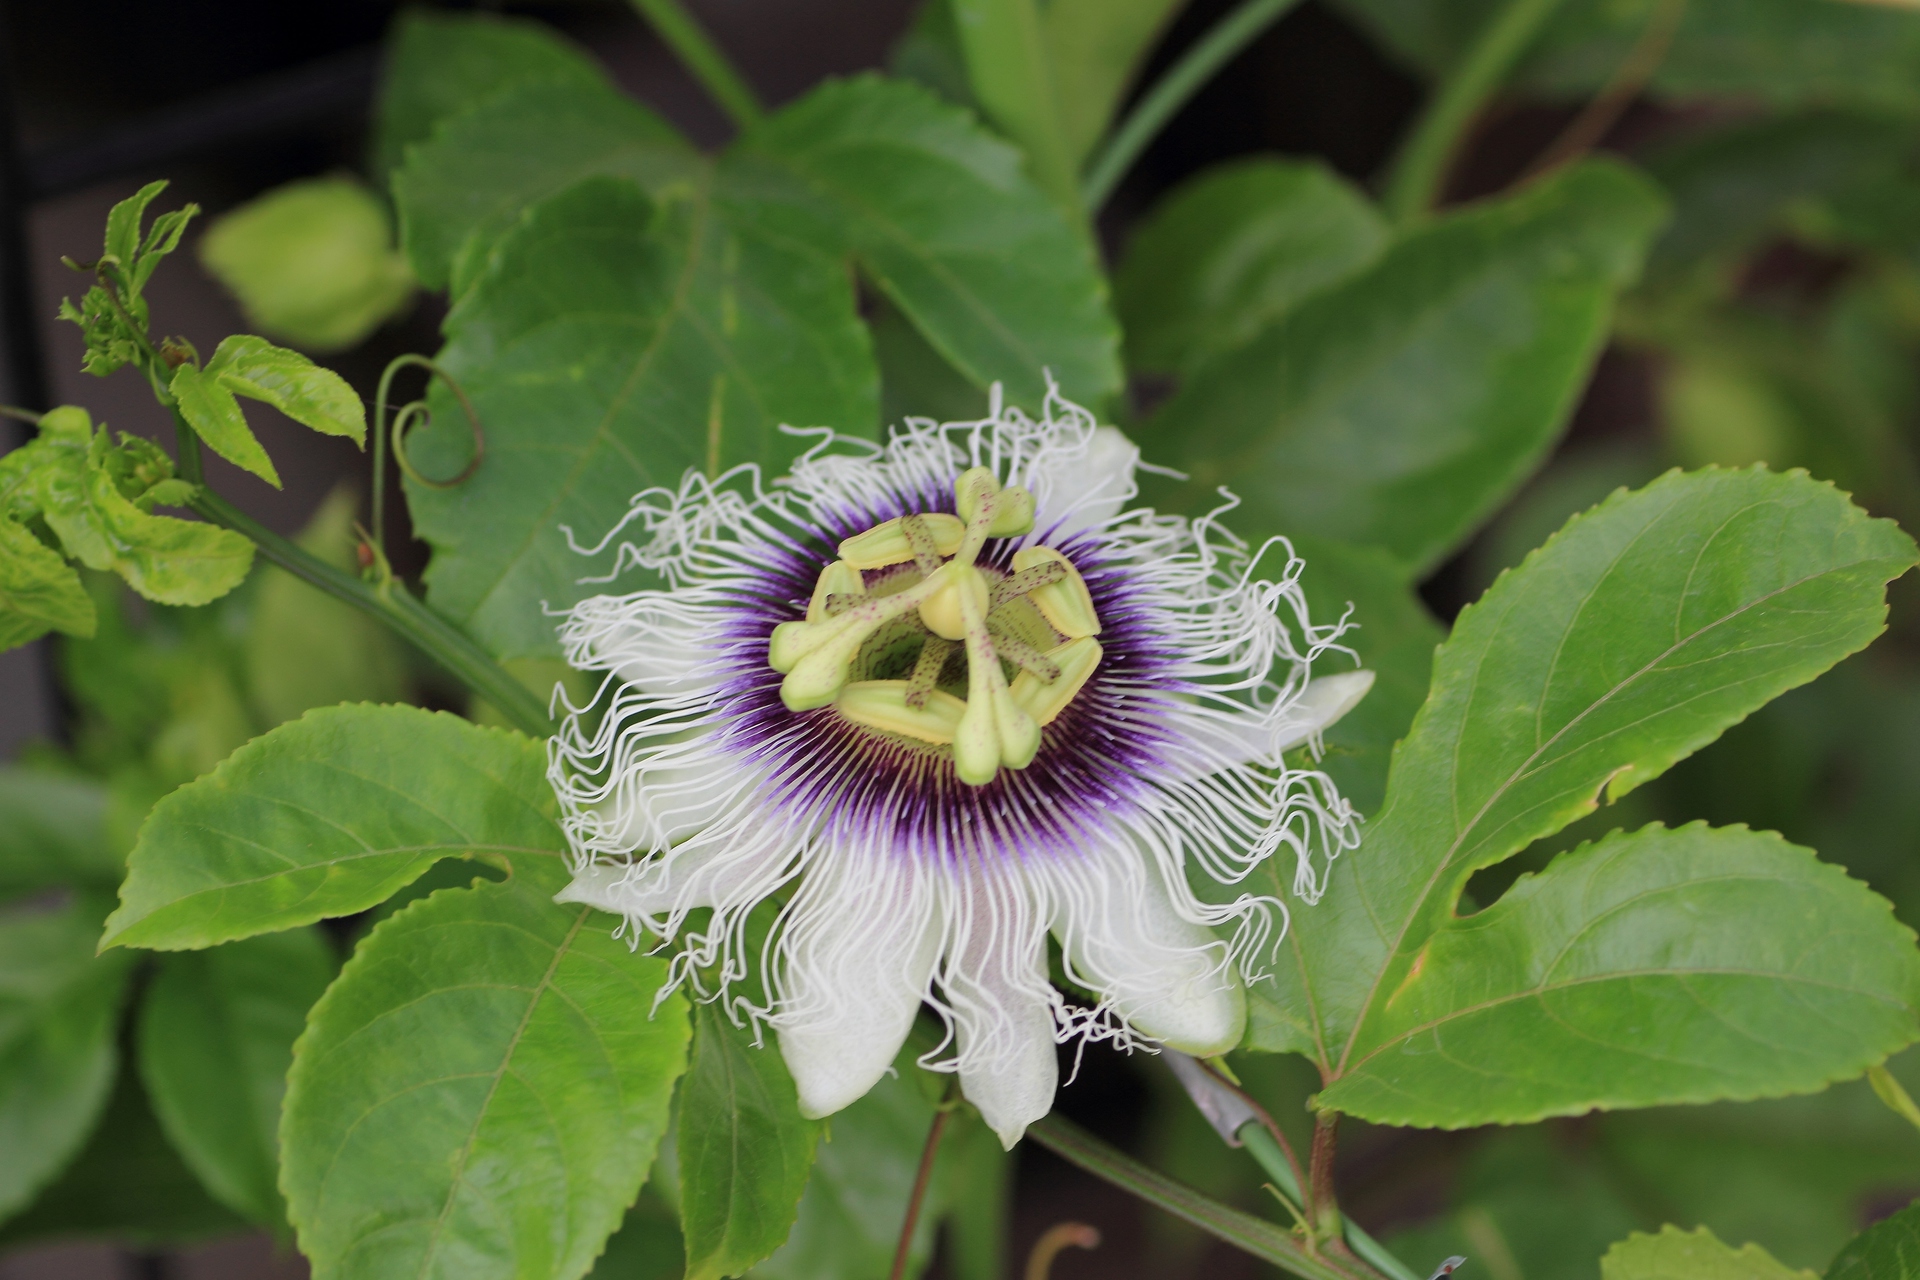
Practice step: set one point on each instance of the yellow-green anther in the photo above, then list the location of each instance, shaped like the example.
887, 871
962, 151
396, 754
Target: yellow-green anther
791, 642
1019, 732
976, 744
1067, 603
837, 579
883, 705
887, 543
1014, 514
971, 490
942, 611
821, 655
1077, 660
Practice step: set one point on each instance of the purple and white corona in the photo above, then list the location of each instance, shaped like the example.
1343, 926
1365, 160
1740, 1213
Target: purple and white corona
936, 699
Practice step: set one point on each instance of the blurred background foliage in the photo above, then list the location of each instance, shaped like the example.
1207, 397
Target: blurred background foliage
1777, 320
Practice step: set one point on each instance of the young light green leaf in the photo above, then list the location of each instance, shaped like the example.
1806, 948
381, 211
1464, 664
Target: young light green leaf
615, 344
1231, 252
216, 1037
127, 1187
480, 1094
53, 832
938, 213
58, 1007
166, 560
440, 63
296, 386
39, 591
306, 649
1010, 70
312, 262
1888, 1250
467, 186
1691, 1255
327, 816
1636, 636
744, 1150
1399, 408
1650, 968
123, 224
1096, 48
850, 1216
214, 414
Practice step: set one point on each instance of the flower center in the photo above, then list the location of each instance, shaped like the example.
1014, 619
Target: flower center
908, 635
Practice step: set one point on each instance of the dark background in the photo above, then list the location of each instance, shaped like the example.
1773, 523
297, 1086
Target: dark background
229, 99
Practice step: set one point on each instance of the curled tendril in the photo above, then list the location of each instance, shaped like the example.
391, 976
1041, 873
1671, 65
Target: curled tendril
1067, 1235
405, 419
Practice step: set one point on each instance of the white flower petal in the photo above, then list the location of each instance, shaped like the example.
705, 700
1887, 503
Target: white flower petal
1168, 977
1321, 704
858, 957
657, 806
1079, 491
1003, 1018
660, 645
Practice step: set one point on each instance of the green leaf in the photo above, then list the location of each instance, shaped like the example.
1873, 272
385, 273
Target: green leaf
1096, 48
482, 169
482, 1090
1010, 71
646, 1247
439, 64
166, 560
1888, 1250
1782, 52
850, 1216
58, 1007
296, 386
53, 832
327, 816
312, 262
1231, 252
744, 1149
612, 345
39, 591
1653, 967
216, 1037
306, 649
214, 414
1636, 636
938, 214
1690, 1255
1400, 408
123, 225
127, 1185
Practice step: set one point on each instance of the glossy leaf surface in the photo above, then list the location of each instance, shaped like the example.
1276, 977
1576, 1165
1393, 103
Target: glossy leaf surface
1400, 407
58, 1007
613, 345
481, 1092
941, 218
327, 816
216, 1037
1653, 967
313, 396
744, 1151
1231, 252
1633, 638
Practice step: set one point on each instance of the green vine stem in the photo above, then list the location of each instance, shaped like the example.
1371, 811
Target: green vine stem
1170, 93
1413, 183
1243, 1231
390, 602
701, 56
1261, 1146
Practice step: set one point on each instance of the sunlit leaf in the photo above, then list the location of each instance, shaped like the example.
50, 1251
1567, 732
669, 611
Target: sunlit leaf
1636, 636
216, 1037
481, 1091
327, 816
39, 591
1690, 1255
1653, 967
214, 413
309, 394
